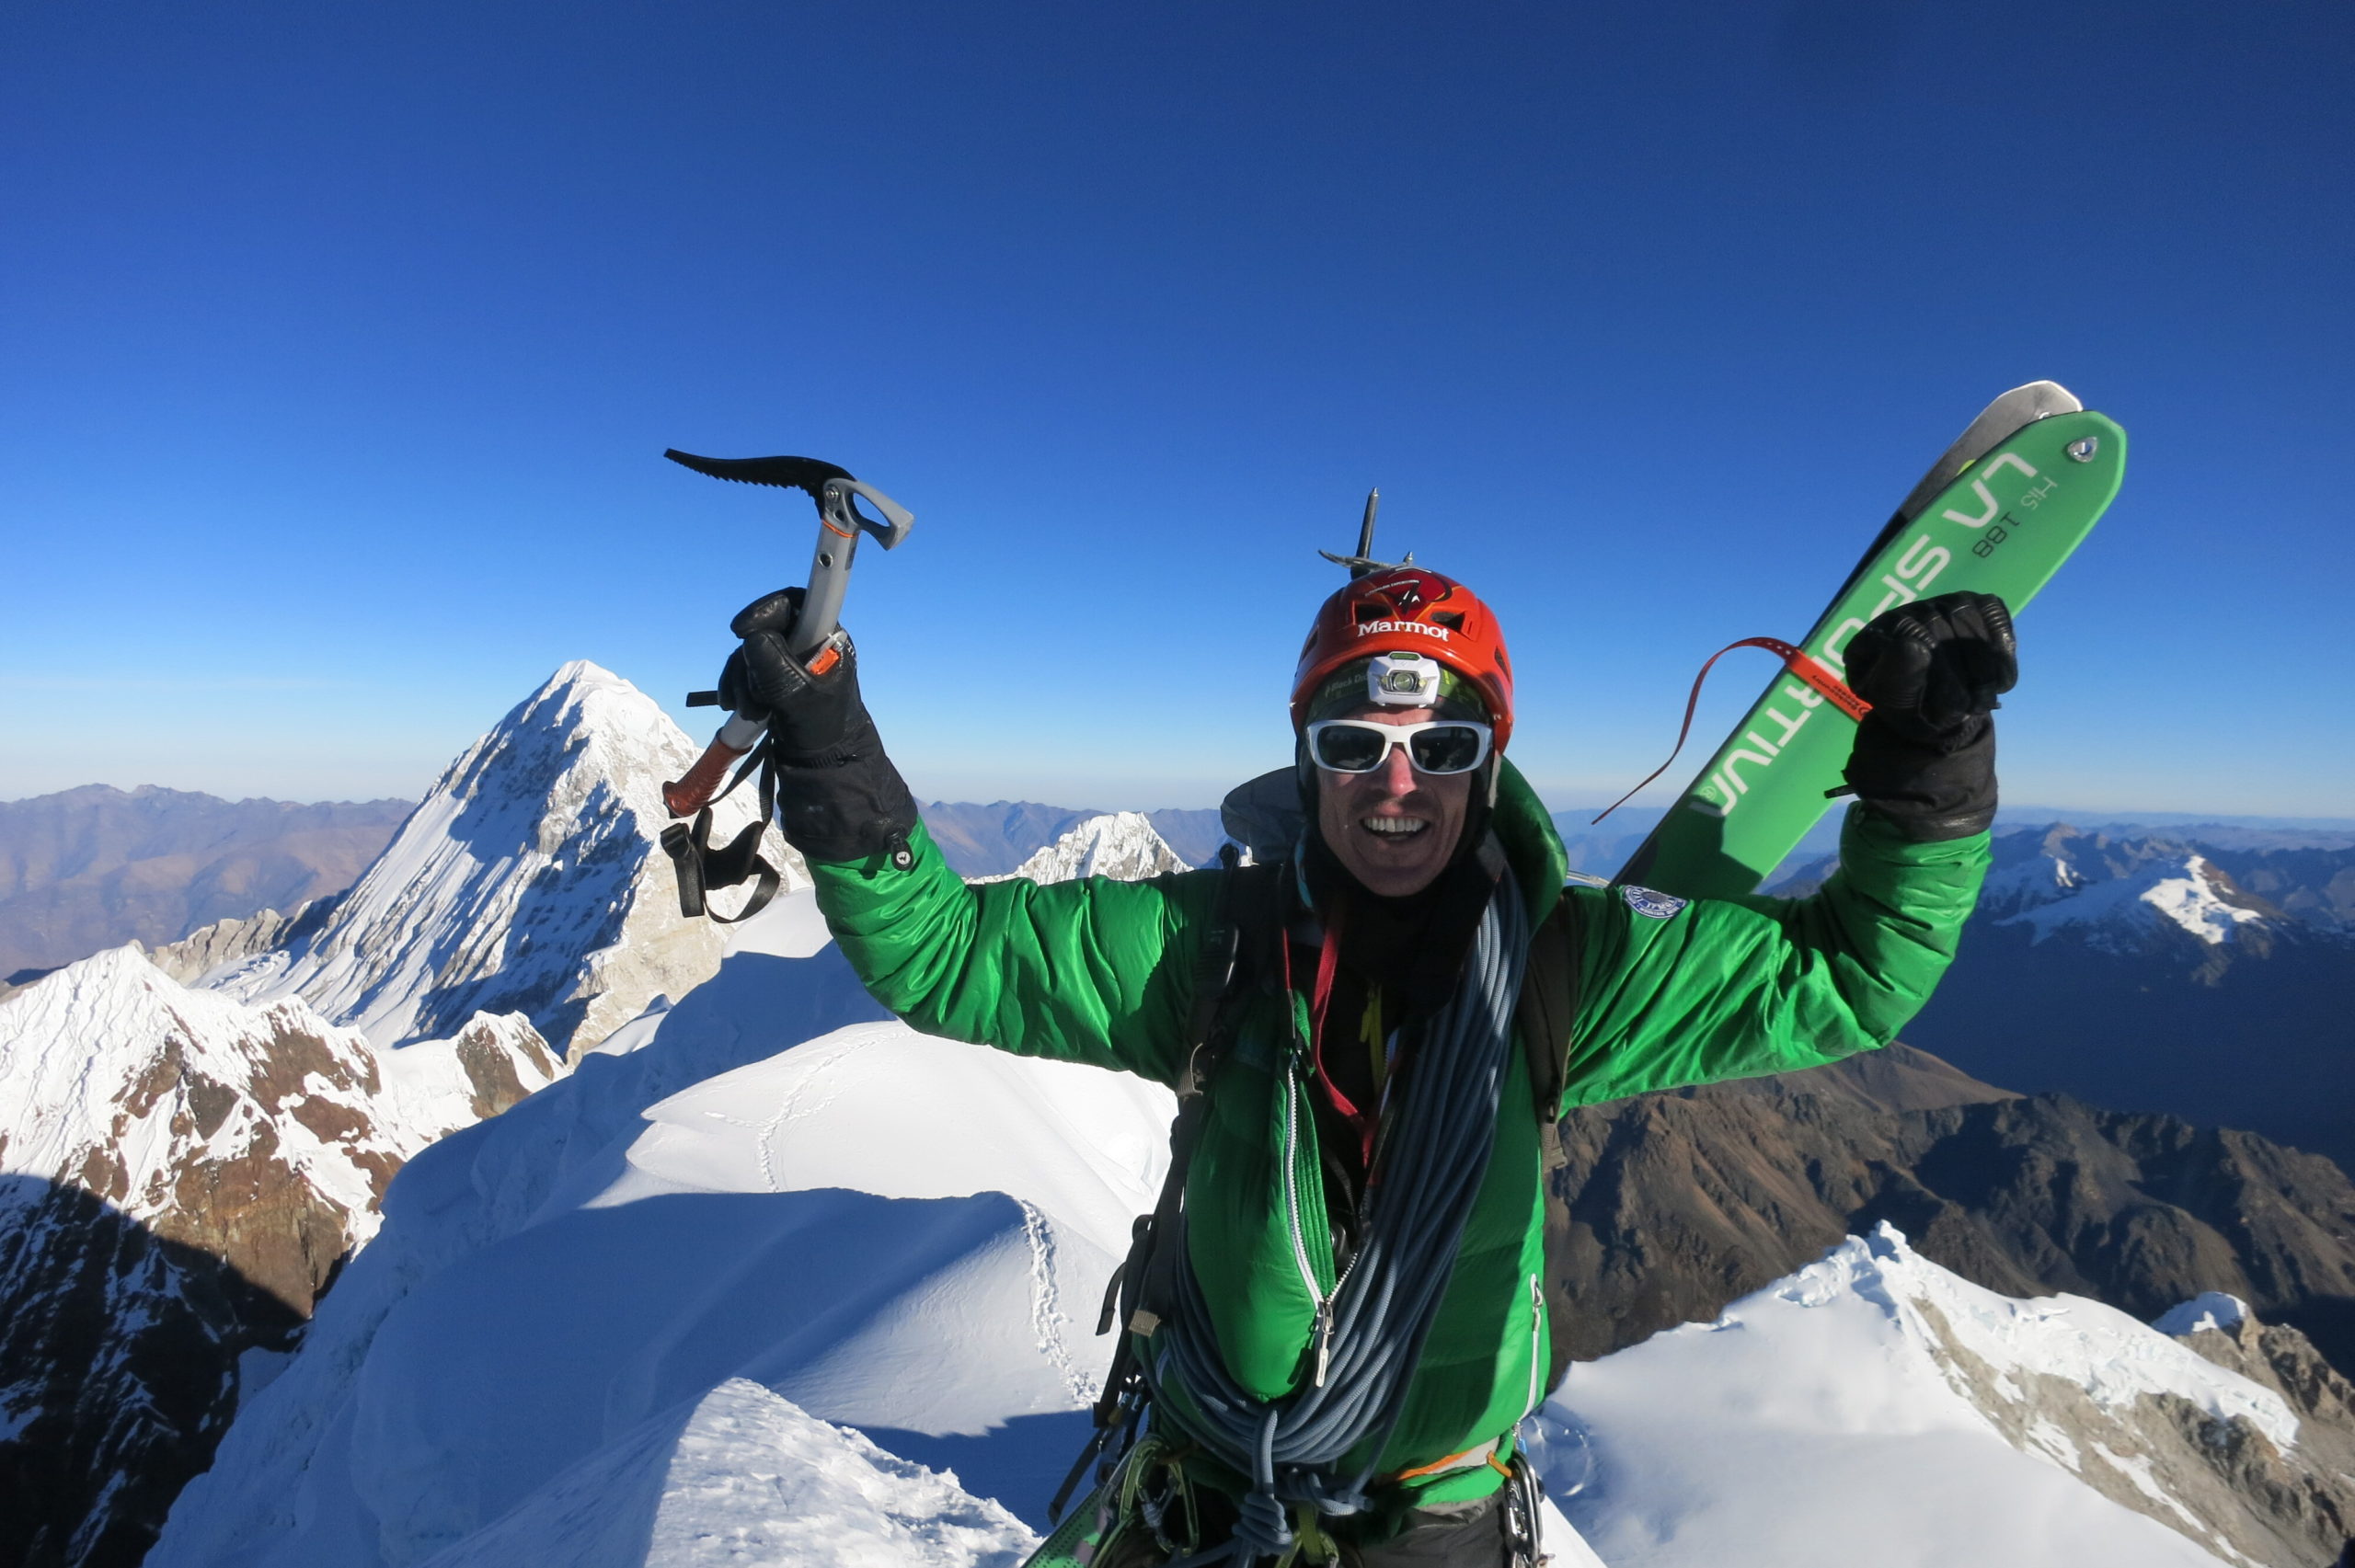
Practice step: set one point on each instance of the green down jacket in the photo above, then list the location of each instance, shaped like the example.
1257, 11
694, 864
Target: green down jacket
1101, 972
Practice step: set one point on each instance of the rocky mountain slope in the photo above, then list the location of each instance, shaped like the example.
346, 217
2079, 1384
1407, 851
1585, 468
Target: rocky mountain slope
96, 867
185, 1175
530, 879
1676, 1204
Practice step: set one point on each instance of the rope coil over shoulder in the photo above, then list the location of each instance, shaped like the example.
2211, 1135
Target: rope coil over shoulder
1245, 894
1378, 1315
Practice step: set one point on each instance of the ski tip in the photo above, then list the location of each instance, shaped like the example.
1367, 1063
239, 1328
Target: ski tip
2040, 400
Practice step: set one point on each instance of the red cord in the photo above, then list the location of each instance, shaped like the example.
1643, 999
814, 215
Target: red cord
1795, 659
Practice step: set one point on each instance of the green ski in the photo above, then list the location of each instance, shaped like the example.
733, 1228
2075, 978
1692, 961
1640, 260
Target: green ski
1997, 513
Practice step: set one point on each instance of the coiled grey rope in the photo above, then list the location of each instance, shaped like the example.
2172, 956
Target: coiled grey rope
1382, 1311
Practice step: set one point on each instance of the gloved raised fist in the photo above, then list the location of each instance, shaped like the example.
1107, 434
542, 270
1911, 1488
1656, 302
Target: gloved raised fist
838, 797
808, 715
1935, 667
1934, 671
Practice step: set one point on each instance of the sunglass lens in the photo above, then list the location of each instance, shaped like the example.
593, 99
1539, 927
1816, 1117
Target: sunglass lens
1447, 749
1349, 751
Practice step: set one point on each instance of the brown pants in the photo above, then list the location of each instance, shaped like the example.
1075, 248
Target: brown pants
1451, 1535
1448, 1535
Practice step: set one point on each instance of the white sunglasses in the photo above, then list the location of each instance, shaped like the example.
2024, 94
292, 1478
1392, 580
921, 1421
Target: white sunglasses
1360, 746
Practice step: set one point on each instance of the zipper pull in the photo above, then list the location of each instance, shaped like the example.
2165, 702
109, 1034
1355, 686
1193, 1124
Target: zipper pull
1321, 1338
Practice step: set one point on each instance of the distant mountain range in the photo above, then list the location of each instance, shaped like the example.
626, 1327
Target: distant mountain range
91, 868
95, 868
2203, 971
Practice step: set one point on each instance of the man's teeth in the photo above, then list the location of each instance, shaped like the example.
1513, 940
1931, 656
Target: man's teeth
1397, 827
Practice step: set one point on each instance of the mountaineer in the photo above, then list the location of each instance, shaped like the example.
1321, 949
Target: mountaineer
1336, 1320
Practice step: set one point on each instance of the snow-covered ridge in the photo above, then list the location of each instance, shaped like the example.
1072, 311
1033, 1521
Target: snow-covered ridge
2104, 1352
1878, 1396
903, 1234
1122, 844
747, 1477
530, 879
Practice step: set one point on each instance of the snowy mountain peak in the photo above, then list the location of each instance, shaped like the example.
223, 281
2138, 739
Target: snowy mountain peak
530, 879
1121, 845
2196, 901
2119, 896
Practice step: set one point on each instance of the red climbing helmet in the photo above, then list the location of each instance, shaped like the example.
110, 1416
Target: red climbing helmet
1409, 610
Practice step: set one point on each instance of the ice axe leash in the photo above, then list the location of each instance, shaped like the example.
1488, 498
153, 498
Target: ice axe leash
816, 641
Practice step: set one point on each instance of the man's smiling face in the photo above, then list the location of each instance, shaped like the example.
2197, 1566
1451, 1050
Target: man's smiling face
1394, 829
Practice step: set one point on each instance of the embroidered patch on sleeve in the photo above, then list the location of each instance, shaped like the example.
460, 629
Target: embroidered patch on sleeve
1657, 906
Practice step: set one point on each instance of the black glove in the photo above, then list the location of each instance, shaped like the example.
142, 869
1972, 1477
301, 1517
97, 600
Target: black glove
1934, 671
838, 797
809, 715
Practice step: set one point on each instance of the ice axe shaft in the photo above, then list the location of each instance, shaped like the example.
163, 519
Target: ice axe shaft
812, 641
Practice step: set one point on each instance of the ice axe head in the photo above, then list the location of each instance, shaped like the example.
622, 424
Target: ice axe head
830, 486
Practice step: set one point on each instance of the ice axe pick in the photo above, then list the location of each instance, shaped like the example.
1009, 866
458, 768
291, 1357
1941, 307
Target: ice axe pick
814, 640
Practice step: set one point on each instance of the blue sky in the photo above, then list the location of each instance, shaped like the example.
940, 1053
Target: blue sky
341, 343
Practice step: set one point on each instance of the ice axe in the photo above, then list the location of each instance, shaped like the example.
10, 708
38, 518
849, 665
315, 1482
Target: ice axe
815, 639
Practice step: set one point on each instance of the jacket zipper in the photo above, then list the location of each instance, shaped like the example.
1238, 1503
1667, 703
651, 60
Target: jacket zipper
1292, 1186
1536, 1342
1320, 1334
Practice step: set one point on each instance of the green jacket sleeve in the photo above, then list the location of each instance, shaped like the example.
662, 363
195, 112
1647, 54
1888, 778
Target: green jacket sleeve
1095, 970
1734, 988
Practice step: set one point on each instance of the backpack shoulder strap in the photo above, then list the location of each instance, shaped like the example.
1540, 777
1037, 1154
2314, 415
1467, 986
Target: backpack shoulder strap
1547, 1013
1246, 909
1236, 921
1241, 915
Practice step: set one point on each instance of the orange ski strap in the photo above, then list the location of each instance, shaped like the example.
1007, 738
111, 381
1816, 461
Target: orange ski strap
1795, 660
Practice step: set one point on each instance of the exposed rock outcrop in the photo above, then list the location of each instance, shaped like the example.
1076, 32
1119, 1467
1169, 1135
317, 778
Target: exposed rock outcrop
236, 940
186, 1175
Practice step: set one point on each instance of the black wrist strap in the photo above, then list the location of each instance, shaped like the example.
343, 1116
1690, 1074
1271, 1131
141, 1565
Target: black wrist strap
701, 868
